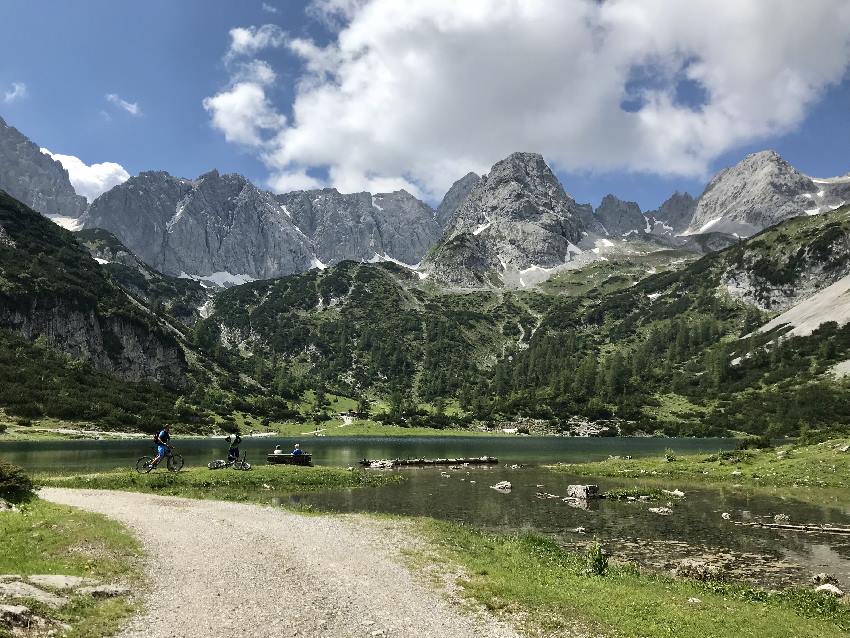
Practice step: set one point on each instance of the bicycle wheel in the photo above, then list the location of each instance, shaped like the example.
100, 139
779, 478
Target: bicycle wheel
143, 465
175, 463
241, 465
217, 464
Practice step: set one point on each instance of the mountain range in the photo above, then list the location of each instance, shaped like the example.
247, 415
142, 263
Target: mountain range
193, 300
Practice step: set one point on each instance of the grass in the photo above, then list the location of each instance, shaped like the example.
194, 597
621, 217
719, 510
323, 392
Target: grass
258, 484
53, 539
812, 467
547, 588
366, 427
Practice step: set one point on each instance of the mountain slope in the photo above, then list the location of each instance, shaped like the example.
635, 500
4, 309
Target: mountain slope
215, 225
50, 288
34, 178
517, 217
454, 197
361, 226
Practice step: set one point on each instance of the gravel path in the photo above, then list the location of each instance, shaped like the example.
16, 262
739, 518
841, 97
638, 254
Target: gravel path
224, 569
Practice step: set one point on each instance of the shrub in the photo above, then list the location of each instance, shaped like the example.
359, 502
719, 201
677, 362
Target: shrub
15, 485
596, 561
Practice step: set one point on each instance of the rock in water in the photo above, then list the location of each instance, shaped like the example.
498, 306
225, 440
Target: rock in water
502, 486
583, 492
516, 220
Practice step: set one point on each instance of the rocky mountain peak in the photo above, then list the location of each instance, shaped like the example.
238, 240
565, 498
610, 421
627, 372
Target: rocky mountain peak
517, 217
760, 191
619, 217
674, 215
34, 178
454, 197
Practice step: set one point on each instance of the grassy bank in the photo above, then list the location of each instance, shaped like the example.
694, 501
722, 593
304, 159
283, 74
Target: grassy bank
257, 485
812, 467
51, 539
547, 588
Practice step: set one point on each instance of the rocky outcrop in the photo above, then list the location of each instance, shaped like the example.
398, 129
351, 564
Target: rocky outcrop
363, 227
455, 196
34, 178
674, 215
518, 217
760, 191
619, 217
217, 224
224, 229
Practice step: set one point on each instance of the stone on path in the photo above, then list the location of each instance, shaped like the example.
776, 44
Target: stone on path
17, 589
58, 581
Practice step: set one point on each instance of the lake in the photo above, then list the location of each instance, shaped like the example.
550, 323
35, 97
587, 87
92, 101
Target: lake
628, 530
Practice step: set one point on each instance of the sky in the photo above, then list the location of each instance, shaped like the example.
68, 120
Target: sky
638, 98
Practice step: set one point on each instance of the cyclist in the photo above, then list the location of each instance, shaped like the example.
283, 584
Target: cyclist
233, 443
163, 445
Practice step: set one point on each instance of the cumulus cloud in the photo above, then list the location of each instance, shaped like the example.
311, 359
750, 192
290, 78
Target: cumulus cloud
244, 114
131, 107
418, 93
245, 41
268, 8
90, 180
18, 91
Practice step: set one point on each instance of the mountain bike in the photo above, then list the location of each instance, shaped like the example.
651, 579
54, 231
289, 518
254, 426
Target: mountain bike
174, 463
240, 463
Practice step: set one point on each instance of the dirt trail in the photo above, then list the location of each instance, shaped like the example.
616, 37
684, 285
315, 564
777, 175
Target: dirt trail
225, 569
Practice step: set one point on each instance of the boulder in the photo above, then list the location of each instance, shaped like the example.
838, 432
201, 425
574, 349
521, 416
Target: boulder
104, 591
17, 589
6, 506
697, 570
502, 486
829, 588
661, 511
583, 492
58, 581
823, 577
15, 616
782, 518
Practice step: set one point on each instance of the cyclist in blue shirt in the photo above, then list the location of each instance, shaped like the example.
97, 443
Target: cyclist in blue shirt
163, 445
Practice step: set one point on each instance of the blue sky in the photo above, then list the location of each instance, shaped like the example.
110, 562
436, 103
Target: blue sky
166, 57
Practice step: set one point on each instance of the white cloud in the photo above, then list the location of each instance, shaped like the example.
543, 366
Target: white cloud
421, 92
269, 8
246, 41
254, 71
18, 91
90, 181
295, 181
244, 114
131, 107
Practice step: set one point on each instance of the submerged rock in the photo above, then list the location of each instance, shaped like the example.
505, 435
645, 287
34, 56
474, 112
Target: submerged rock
662, 511
502, 486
